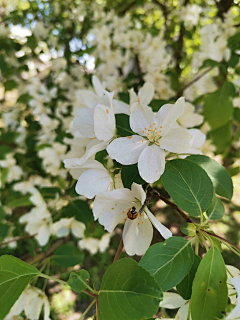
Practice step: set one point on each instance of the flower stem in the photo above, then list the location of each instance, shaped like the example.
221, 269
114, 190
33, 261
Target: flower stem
119, 250
88, 308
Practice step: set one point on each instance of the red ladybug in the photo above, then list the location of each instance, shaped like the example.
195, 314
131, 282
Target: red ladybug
132, 213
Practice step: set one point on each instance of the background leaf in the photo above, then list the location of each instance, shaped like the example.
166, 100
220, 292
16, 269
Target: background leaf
221, 179
209, 292
128, 292
123, 126
130, 174
188, 185
14, 277
169, 261
67, 255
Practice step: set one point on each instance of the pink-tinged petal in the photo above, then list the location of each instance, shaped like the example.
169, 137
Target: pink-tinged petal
141, 118
83, 122
146, 93
104, 123
93, 147
177, 140
127, 150
172, 115
121, 107
97, 86
199, 138
138, 192
151, 163
164, 231
92, 182
78, 228
137, 235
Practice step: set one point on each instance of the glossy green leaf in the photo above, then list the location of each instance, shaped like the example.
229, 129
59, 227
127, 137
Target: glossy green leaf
218, 106
188, 185
80, 210
67, 255
189, 229
169, 261
14, 277
184, 288
221, 179
130, 174
128, 292
216, 209
222, 137
123, 126
209, 291
78, 280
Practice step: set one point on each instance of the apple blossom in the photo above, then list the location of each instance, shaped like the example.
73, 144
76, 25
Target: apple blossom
111, 207
235, 313
188, 118
93, 245
63, 227
157, 132
173, 300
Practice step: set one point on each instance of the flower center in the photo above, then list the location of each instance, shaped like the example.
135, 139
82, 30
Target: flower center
153, 134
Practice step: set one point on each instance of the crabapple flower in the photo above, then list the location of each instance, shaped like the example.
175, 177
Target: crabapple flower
231, 290
157, 132
198, 140
92, 176
173, 301
63, 227
94, 245
112, 207
235, 313
145, 94
189, 119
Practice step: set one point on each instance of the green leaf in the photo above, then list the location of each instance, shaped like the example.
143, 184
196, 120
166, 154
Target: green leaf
189, 229
216, 209
66, 256
20, 202
128, 292
124, 96
169, 261
123, 126
50, 192
80, 210
78, 280
221, 179
14, 277
10, 84
4, 228
130, 174
157, 104
184, 288
188, 185
218, 106
4, 175
4, 150
2, 213
209, 291
222, 137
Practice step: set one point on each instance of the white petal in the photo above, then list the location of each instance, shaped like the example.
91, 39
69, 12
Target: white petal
83, 122
199, 138
138, 192
43, 235
172, 115
93, 147
104, 123
87, 98
71, 163
177, 140
133, 96
78, 228
146, 93
137, 236
97, 86
91, 164
127, 150
191, 120
121, 107
141, 118
183, 312
151, 163
92, 182
34, 308
61, 227
235, 313
164, 231
172, 300
104, 242
122, 196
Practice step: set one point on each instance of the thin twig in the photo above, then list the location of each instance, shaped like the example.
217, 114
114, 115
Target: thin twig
182, 213
17, 239
216, 236
119, 250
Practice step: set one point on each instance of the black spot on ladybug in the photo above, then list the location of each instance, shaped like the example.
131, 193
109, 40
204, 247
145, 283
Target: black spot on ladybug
132, 213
